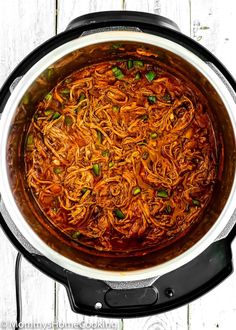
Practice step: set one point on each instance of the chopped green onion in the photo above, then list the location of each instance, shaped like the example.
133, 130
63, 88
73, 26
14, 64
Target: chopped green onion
153, 135
117, 72
68, 120
138, 76
152, 99
56, 115
76, 234
145, 155
30, 140
168, 209
65, 91
116, 108
116, 46
68, 80
196, 202
26, 99
150, 75
119, 214
106, 153
136, 191
130, 64
48, 97
96, 169
138, 64
143, 117
48, 112
162, 193
81, 97
84, 190
50, 73
166, 97
57, 170
142, 143
99, 136
111, 164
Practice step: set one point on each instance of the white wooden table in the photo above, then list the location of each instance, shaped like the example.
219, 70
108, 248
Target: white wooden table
24, 24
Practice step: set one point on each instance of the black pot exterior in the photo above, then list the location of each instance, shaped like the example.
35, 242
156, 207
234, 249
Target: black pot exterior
170, 290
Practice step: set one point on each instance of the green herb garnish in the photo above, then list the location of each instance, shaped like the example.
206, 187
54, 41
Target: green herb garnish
143, 117
137, 76
57, 170
97, 169
48, 112
152, 99
105, 153
111, 164
83, 191
99, 136
138, 64
116, 46
68, 80
153, 135
50, 72
117, 72
116, 108
142, 143
48, 97
162, 193
56, 115
119, 214
26, 99
168, 209
150, 75
196, 202
30, 140
166, 97
68, 120
145, 155
76, 234
81, 97
65, 91
136, 191
130, 64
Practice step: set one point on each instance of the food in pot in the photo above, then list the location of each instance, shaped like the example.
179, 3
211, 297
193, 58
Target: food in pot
121, 155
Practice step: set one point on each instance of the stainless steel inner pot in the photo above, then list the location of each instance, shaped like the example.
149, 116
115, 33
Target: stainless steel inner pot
18, 204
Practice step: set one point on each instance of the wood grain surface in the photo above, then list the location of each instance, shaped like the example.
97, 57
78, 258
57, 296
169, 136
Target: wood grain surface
28, 23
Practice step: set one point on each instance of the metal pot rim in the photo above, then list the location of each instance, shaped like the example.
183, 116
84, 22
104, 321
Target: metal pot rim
8, 114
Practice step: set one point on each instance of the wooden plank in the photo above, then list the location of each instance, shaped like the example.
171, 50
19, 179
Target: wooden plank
7, 291
37, 295
69, 9
24, 25
212, 25
176, 10
173, 320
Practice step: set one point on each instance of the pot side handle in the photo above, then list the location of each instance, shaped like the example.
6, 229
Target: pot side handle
171, 290
105, 19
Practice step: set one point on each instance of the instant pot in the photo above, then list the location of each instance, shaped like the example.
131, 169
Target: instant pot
119, 286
